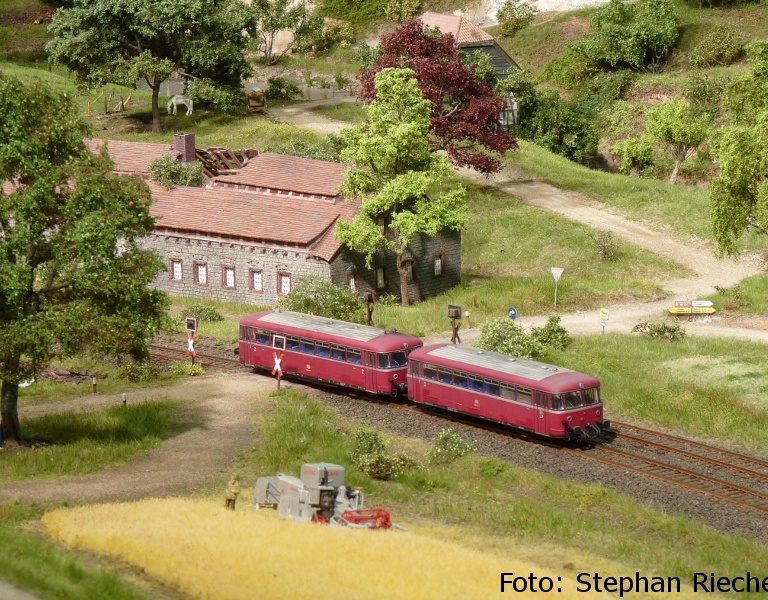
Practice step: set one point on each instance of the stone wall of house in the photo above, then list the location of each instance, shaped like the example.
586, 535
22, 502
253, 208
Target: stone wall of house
218, 253
424, 250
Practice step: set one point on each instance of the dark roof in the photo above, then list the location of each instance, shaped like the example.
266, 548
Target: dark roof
463, 30
288, 173
283, 220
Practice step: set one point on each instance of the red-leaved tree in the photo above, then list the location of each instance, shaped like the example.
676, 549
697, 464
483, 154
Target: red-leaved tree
465, 112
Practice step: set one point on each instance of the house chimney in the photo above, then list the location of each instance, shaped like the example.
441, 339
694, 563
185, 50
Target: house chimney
184, 147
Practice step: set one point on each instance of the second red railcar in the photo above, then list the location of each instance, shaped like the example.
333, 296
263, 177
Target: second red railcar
321, 349
544, 399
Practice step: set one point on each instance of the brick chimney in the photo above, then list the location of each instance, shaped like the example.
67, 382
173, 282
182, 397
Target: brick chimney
184, 147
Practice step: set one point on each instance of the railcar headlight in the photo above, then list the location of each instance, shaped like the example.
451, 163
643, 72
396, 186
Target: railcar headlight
568, 419
597, 412
394, 376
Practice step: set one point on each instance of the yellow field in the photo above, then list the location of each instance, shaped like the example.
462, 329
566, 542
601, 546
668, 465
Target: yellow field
206, 552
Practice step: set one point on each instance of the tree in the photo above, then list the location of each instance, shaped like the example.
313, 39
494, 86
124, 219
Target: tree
315, 295
104, 41
464, 112
72, 272
267, 18
679, 129
636, 35
514, 16
406, 188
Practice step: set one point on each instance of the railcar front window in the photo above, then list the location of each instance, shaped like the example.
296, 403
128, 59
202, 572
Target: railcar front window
591, 396
383, 361
398, 359
572, 399
557, 402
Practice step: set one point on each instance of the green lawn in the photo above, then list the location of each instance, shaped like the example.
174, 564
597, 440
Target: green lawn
748, 297
88, 442
346, 111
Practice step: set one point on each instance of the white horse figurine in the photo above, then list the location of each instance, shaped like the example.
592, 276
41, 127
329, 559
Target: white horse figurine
179, 100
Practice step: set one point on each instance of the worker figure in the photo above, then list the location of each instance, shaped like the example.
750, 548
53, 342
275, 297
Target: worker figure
233, 490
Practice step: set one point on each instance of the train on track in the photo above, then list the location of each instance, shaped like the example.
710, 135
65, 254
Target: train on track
544, 399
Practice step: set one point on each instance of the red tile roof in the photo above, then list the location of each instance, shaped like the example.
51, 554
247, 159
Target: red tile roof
463, 30
250, 216
131, 158
290, 173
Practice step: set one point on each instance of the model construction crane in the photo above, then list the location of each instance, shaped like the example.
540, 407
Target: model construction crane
318, 495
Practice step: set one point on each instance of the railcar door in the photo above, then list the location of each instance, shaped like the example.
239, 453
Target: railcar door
540, 405
370, 372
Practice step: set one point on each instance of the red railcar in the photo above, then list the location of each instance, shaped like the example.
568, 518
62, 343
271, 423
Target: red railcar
527, 394
320, 349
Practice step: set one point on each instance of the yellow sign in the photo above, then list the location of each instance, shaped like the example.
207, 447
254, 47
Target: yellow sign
692, 310
603, 314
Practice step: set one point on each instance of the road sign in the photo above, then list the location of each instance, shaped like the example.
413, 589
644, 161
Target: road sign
277, 369
191, 345
512, 313
190, 324
691, 310
702, 303
603, 314
556, 273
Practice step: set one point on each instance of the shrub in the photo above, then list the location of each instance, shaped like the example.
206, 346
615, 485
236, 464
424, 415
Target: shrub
379, 465
371, 456
367, 441
367, 55
491, 467
448, 447
561, 128
723, 45
704, 89
203, 312
281, 88
400, 11
600, 91
138, 371
552, 335
514, 16
569, 70
671, 332
206, 93
635, 155
504, 335
169, 172
328, 148
341, 81
186, 369
315, 295
606, 245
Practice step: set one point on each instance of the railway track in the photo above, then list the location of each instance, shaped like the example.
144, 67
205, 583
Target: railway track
166, 354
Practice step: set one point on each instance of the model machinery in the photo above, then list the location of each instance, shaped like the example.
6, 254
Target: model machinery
318, 495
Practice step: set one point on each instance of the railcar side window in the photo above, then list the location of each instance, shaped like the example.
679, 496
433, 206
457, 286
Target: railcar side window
444, 376
398, 359
460, 380
508, 392
383, 361
591, 396
307, 346
430, 373
557, 402
572, 399
353, 356
292, 343
493, 388
337, 352
263, 337
322, 349
279, 342
524, 395
477, 385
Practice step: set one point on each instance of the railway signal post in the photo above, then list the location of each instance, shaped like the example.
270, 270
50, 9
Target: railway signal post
454, 314
190, 324
278, 369
369, 302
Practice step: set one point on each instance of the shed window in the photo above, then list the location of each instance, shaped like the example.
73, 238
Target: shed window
228, 277
438, 265
380, 283
201, 273
408, 266
257, 281
283, 283
175, 272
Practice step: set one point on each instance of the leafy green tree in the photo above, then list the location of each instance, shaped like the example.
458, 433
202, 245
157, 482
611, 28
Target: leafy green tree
267, 18
72, 273
514, 16
407, 189
506, 336
746, 96
635, 154
637, 35
679, 129
105, 41
315, 295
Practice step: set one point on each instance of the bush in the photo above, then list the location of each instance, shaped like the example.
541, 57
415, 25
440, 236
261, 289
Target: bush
169, 172
514, 16
281, 88
206, 93
558, 126
603, 89
400, 11
635, 155
670, 332
552, 335
186, 369
448, 447
504, 335
203, 312
367, 55
606, 245
491, 467
723, 45
368, 441
328, 148
371, 456
138, 371
705, 89
569, 70
315, 295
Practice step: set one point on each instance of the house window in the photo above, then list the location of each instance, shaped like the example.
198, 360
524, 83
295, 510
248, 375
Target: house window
438, 264
352, 280
175, 272
283, 283
380, 283
257, 281
228, 277
408, 266
201, 273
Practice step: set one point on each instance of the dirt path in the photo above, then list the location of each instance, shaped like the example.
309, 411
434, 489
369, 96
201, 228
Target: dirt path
303, 115
219, 411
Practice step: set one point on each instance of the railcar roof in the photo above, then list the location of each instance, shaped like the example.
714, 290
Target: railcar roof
323, 325
495, 361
